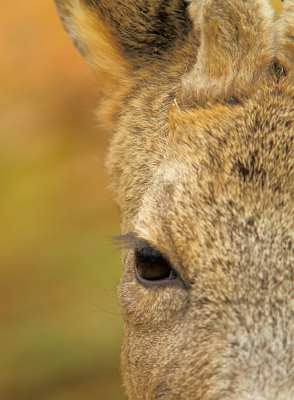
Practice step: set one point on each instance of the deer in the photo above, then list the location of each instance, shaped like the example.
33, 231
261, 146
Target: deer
198, 97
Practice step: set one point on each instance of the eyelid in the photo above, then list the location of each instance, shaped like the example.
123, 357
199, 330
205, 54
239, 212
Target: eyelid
150, 255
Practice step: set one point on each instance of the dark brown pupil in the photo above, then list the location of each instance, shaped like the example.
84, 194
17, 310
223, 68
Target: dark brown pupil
152, 266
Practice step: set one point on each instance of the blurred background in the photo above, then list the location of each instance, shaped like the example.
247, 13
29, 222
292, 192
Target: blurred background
60, 324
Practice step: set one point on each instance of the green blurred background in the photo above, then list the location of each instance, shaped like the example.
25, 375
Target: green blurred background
60, 324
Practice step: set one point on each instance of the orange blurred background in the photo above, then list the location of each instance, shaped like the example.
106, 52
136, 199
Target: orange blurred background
61, 328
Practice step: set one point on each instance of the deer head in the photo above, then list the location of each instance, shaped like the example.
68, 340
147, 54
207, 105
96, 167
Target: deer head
199, 96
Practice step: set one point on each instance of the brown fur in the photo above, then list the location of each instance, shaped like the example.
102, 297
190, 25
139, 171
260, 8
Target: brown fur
200, 95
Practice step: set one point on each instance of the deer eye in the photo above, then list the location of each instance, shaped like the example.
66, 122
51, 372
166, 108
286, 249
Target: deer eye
152, 268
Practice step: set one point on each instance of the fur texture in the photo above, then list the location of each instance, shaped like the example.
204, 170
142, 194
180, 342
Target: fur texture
200, 97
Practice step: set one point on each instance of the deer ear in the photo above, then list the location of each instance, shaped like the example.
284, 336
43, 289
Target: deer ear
92, 38
285, 33
128, 33
236, 48
120, 38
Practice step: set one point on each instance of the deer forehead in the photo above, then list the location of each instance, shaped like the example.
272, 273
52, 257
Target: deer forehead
223, 186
